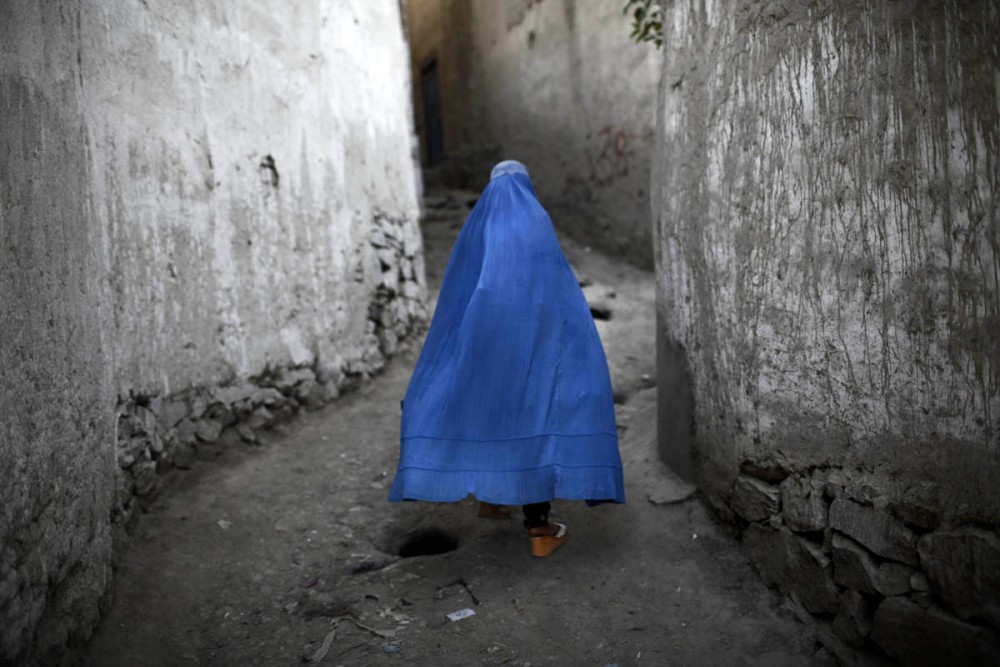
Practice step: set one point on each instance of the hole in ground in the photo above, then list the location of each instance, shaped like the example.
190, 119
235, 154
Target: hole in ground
427, 542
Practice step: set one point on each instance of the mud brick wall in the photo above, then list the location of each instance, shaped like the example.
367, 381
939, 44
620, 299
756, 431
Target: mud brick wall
208, 220
826, 192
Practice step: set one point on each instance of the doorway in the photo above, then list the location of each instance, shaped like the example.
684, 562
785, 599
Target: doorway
430, 91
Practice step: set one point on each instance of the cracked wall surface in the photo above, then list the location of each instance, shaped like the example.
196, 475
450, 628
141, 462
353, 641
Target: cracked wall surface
208, 220
826, 213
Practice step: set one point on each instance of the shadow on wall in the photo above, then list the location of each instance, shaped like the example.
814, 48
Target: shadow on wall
675, 425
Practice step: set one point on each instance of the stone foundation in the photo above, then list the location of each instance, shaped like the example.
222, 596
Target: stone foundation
158, 433
883, 577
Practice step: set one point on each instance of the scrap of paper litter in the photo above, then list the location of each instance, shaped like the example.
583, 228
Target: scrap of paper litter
460, 614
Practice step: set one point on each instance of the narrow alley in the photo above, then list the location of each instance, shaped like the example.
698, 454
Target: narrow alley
224, 228
258, 556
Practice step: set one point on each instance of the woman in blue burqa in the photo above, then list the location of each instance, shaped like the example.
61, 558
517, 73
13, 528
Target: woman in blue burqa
511, 398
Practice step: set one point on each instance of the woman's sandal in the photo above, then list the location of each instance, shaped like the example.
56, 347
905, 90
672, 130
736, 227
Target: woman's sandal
543, 545
488, 511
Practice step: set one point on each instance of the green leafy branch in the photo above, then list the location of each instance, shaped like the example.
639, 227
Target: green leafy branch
647, 21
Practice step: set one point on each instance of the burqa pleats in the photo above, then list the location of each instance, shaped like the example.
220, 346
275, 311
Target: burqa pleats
511, 398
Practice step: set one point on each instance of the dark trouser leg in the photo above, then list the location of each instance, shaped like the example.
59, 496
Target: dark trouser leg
536, 515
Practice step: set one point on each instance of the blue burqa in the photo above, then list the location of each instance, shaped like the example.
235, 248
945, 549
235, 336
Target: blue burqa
511, 398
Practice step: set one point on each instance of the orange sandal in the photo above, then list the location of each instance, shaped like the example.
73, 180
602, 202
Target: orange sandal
543, 545
488, 511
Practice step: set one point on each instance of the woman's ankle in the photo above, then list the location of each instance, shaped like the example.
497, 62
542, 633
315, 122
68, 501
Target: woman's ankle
543, 531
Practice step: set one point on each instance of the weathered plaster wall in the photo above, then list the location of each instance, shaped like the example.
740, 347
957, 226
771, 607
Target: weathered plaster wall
207, 220
828, 254
562, 88
558, 85
56, 390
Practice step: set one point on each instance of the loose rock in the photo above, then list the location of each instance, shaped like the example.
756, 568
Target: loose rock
233, 394
917, 636
222, 414
260, 418
794, 565
917, 515
803, 506
411, 290
246, 433
145, 477
893, 579
186, 432
207, 430
853, 566
268, 396
199, 405
387, 259
963, 567
875, 529
853, 622
229, 437
171, 412
754, 500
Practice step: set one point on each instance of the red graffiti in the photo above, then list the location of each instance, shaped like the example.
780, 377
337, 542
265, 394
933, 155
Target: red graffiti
612, 161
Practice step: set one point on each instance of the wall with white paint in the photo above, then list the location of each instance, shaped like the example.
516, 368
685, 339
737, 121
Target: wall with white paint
826, 190
561, 87
190, 196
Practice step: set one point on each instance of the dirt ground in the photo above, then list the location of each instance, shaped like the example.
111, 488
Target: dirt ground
287, 553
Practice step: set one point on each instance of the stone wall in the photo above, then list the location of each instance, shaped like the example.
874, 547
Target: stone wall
207, 222
558, 85
825, 192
